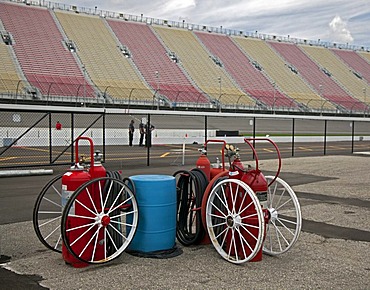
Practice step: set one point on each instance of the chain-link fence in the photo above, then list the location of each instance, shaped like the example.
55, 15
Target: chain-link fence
46, 137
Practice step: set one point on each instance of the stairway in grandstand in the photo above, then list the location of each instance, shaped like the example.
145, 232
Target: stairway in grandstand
316, 77
102, 58
288, 81
157, 65
39, 47
208, 76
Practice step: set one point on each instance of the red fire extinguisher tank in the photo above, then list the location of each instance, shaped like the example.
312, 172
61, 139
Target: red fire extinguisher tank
204, 164
90, 198
71, 180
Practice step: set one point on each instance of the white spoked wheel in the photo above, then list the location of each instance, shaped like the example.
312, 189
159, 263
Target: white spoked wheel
285, 222
100, 220
235, 222
47, 214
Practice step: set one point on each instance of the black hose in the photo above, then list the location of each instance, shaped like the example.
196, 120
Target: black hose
190, 190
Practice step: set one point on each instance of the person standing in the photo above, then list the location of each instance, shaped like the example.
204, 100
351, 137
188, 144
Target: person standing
131, 130
148, 134
142, 133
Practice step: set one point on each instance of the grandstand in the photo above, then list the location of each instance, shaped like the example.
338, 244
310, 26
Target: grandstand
104, 62
159, 67
249, 77
46, 63
62, 53
283, 76
319, 78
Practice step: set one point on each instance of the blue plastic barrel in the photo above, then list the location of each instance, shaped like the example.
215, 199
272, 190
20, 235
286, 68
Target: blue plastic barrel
156, 198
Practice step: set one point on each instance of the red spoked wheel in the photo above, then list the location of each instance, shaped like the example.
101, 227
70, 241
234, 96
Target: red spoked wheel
235, 221
100, 220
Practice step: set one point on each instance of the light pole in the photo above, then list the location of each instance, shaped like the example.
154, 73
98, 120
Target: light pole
322, 96
364, 91
84, 73
274, 94
157, 75
220, 83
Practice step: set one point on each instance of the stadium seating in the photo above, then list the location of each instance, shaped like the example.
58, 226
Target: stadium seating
312, 73
40, 50
9, 79
339, 70
62, 52
155, 63
289, 82
104, 62
195, 59
355, 62
365, 55
249, 78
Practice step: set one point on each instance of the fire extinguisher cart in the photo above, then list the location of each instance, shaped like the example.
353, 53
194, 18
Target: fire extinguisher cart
243, 212
87, 214
91, 215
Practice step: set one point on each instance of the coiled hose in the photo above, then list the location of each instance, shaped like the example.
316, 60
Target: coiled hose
190, 190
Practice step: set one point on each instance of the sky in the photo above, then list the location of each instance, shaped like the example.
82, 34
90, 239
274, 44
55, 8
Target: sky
335, 21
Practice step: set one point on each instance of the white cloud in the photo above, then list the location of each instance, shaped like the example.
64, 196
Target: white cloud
178, 4
307, 19
339, 31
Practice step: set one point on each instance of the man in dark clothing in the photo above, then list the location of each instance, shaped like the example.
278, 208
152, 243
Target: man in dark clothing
142, 133
148, 135
131, 130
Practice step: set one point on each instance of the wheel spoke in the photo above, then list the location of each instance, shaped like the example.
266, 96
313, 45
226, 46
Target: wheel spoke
50, 221
88, 243
108, 194
58, 242
285, 227
53, 202
92, 202
83, 234
244, 226
289, 200
111, 239
123, 236
56, 190
52, 232
224, 200
121, 204
245, 242
80, 203
282, 235
124, 214
95, 243
285, 220
51, 212
232, 198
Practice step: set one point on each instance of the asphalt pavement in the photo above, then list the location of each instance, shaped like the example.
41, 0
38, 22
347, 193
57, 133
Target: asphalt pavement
332, 251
